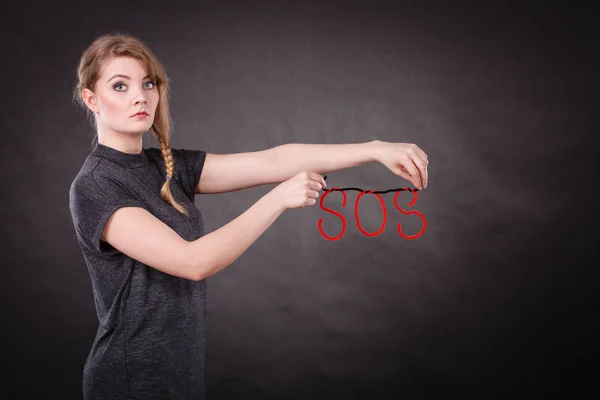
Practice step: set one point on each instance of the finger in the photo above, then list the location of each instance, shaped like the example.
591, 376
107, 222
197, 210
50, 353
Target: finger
413, 171
424, 164
422, 154
420, 164
404, 174
317, 177
313, 194
419, 159
315, 185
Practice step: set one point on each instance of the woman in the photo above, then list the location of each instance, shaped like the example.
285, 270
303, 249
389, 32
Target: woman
142, 237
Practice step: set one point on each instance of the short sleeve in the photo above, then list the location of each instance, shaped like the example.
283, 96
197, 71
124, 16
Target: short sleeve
188, 166
92, 201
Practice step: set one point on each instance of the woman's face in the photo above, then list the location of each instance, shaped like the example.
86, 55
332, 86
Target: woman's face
123, 90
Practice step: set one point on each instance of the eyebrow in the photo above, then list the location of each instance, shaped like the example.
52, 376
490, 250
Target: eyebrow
123, 76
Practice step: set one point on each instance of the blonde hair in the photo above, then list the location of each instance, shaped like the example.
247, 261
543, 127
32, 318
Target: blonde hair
104, 49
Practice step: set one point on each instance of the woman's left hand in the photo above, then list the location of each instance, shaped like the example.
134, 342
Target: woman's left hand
404, 159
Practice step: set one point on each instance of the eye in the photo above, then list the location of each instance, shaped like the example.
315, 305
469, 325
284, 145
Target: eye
122, 84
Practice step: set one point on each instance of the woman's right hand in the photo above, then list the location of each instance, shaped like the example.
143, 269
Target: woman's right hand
299, 191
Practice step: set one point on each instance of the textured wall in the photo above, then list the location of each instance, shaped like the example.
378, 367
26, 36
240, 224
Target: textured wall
495, 299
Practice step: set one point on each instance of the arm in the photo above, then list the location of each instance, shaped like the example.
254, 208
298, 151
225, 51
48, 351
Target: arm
230, 172
227, 243
292, 158
406, 160
142, 236
223, 173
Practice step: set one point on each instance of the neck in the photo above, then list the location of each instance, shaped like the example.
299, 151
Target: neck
125, 142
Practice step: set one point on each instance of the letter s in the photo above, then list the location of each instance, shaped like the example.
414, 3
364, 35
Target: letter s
415, 196
335, 213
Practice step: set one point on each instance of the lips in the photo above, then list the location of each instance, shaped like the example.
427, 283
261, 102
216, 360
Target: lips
141, 113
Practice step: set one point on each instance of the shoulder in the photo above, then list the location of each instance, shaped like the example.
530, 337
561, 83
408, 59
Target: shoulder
181, 156
84, 183
188, 165
186, 161
97, 181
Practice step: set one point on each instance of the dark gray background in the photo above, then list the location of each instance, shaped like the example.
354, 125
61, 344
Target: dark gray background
497, 299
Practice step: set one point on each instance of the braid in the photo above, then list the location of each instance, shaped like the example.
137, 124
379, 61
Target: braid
165, 191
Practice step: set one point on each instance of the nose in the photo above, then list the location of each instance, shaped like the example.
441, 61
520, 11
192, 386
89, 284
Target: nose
139, 96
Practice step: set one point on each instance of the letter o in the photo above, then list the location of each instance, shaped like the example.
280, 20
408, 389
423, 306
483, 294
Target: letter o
358, 219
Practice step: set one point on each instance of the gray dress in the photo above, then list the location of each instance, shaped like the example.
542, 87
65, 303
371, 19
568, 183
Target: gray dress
151, 336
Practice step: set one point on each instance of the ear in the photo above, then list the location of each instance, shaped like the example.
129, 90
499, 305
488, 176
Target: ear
90, 99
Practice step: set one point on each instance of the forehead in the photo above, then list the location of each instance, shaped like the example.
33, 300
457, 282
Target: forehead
124, 65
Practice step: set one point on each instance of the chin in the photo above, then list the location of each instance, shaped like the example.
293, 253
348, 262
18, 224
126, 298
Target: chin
143, 125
